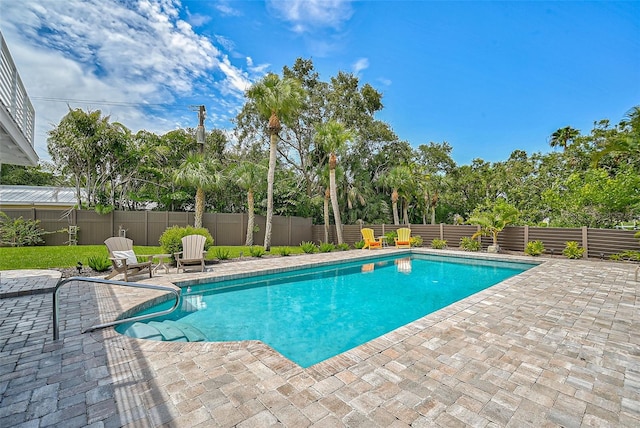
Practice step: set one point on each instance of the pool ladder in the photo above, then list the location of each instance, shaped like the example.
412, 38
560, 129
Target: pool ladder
56, 329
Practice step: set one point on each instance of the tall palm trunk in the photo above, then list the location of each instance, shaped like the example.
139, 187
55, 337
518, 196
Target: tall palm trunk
434, 203
405, 212
270, 179
394, 205
274, 129
251, 219
327, 198
199, 207
334, 196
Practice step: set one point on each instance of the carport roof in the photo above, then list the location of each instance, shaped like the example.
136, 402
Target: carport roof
37, 195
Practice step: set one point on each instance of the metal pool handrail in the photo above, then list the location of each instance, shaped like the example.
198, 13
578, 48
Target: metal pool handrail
56, 331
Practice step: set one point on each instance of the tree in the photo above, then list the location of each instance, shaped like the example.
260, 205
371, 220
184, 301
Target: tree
626, 141
492, 220
39, 175
199, 172
333, 137
433, 163
79, 147
396, 180
277, 101
248, 176
563, 137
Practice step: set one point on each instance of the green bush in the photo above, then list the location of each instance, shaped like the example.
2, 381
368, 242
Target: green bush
283, 251
534, 248
20, 232
631, 255
342, 247
99, 263
221, 253
358, 245
439, 244
573, 250
171, 239
390, 237
327, 247
468, 244
416, 241
256, 251
309, 247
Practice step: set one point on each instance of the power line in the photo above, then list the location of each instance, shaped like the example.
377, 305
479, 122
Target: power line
103, 102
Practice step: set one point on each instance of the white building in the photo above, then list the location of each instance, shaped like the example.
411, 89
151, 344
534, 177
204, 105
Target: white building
17, 115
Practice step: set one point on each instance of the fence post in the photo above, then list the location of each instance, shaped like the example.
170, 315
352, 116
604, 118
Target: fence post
441, 231
526, 236
585, 242
146, 227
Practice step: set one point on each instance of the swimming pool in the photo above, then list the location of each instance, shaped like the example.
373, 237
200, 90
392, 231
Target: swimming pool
312, 314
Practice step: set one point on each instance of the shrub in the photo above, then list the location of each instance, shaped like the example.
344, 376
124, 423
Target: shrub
416, 241
631, 255
221, 253
309, 247
99, 263
283, 251
343, 247
534, 248
358, 245
469, 244
20, 232
327, 247
256, 251
390, 237
439, 244
171, 239
573, 250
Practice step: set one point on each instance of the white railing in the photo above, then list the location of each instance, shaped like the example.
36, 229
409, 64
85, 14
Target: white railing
13, 96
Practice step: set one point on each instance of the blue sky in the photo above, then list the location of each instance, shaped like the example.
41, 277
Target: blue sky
487, 77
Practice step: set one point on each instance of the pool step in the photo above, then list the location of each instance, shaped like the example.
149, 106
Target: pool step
168, 331
190, 332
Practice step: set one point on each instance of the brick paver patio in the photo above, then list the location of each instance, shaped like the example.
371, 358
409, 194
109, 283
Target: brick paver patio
558, 345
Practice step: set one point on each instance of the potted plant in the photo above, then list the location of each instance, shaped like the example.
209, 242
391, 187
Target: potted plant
493, 220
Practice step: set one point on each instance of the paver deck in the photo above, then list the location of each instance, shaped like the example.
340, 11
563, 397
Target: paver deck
558, 345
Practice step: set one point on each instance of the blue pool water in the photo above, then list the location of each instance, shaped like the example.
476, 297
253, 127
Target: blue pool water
310, 315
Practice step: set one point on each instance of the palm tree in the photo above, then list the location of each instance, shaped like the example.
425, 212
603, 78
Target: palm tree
396, 179
277, 100
200, 173
248, 176
333, 137
627, 141
563, 137
492, 221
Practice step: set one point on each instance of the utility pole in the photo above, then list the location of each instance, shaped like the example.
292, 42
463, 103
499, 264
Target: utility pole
202, 113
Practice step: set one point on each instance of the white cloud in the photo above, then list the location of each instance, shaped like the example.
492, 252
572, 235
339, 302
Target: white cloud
122, 52
225, 9
359, 65
305, 15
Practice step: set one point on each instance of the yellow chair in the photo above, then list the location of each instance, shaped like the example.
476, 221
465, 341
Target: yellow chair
369, 240
404, 238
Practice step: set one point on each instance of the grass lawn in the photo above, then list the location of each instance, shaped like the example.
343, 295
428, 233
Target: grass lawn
68, 256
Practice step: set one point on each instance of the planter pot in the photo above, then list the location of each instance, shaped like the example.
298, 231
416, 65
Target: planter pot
493, 249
